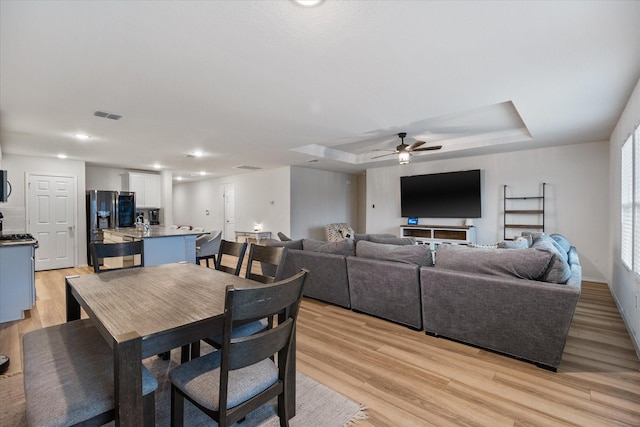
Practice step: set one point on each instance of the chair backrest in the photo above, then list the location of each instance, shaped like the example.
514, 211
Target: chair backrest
230, 249
271, 265
208, 244
110, 250
280, 299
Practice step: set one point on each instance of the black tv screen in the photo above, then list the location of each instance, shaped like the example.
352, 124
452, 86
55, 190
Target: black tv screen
441, 195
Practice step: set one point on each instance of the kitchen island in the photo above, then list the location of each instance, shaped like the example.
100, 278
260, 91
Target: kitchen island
162, 245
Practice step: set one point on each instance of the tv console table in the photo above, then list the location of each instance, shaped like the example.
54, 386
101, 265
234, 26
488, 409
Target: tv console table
435, 234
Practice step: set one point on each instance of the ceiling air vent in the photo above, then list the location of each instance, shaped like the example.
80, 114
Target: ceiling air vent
249, 168
107, 115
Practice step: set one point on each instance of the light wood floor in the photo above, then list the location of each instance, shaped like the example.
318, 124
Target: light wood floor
406, 378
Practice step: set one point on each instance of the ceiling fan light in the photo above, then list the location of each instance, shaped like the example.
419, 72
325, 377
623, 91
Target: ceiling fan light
403, 157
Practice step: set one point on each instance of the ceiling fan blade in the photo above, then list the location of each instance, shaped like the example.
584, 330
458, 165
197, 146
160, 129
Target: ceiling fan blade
388, 149
384, 155
415, 145
434, 147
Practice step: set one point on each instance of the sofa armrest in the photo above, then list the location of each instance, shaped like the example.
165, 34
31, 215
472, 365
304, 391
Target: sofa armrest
387, 289
523, 318
327, 279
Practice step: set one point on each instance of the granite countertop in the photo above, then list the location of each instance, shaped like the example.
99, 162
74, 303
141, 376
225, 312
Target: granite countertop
153, 231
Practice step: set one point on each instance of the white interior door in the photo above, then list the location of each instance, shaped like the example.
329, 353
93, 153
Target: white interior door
52, 220
229, 212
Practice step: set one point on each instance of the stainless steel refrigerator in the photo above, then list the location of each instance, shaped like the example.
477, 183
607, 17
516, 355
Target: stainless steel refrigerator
108, 210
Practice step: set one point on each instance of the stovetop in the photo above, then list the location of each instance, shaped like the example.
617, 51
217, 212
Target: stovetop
16, 237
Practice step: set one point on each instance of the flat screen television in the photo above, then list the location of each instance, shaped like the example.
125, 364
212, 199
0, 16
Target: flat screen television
442, 195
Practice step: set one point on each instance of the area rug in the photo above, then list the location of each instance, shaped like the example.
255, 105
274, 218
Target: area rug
316, 404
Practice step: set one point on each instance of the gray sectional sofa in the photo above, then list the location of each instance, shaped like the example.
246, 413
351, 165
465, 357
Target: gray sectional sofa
518, 301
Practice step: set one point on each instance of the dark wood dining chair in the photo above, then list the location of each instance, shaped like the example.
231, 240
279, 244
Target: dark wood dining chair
109, 250
241, 377
68, 377
269, 263
230, 249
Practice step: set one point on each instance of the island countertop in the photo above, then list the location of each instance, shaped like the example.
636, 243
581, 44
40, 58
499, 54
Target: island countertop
153, 231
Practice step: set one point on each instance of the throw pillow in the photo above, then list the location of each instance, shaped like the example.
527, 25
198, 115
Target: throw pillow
559, 270
475, 245
344, 247
408, 254
291, 244
562, 241
527, 263
347, 233
283, 237
516, 243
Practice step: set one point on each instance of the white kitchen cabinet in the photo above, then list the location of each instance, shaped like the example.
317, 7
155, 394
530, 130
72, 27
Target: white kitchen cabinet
17, 281
147, 189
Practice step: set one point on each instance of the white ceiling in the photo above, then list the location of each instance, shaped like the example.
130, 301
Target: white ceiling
271, 83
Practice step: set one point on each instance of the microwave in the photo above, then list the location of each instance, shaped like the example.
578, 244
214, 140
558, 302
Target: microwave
5, 186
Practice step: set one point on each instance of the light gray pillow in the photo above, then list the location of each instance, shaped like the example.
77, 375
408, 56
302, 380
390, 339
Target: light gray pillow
559, 270
516, 243
344, 247
562, 241
291, 244
408, 254
526, 263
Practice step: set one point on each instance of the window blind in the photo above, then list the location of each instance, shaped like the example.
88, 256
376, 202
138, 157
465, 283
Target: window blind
636, 203
626, 232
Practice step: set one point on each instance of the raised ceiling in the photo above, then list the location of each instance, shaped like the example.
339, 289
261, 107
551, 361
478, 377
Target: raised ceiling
269, 83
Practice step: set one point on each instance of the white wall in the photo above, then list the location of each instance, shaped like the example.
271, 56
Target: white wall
106, 178
624, 286
319, 198
18, 166
576, 204
260, 197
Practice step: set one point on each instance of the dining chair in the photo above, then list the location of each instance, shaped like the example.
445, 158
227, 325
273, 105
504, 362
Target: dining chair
110, 250
230, 249
241, 377
271, 263
207, 246
68, 377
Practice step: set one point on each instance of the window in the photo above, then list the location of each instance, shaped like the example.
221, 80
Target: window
630, 202
626, 197
636, 202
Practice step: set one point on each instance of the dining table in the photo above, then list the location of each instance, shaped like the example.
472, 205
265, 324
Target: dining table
146, 311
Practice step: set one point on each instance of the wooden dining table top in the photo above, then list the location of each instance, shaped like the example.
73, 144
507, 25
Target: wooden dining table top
154, 299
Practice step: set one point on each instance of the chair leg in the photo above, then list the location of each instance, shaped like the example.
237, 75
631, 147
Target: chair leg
283, 414
177, 408
149, 409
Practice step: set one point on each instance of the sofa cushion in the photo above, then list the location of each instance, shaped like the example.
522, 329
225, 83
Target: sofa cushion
526, 263
408, 254
358, 237
559, 270
291, 244
344, 247
392, 240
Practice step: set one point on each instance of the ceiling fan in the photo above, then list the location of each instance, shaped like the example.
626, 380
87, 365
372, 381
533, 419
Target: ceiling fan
404, 151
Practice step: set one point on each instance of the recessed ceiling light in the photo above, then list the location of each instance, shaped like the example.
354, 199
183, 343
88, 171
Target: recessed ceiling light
62, 156
81, 136
202, 173
308, 3
178, 178
198, 153
157, 165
